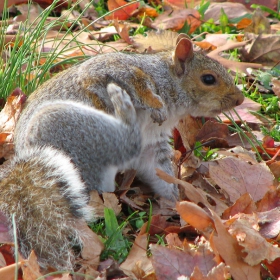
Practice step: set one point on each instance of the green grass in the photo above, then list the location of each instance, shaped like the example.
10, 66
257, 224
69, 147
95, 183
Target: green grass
22, 67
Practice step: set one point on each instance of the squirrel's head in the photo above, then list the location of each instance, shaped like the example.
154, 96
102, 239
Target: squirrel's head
205, 84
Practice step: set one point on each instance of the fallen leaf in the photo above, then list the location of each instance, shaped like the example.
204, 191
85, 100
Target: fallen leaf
170, 263
260, 24
263, 49
96, 203
255, 246
195, 216
123, 13
178, 4
219, 272
92, 245
30, 268
8, 119
230, 251
269, 223
275, 169
244, 204
273, 267
235, 66
112, 202
195, 195
272, 4
243, 112
270, 200
137, 257
188, 128
243, 23
232, 10
276, 86
237, 177
176, 19
8, 272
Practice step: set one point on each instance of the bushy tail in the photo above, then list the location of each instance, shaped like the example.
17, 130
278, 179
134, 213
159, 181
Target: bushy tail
44, 190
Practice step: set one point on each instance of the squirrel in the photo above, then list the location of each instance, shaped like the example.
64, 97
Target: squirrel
44, 189
112, 112
164, 87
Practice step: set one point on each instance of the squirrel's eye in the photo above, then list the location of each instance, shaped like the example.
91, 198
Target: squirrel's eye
208, 79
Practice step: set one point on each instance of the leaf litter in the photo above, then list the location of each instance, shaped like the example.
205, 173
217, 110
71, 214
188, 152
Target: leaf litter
234, 186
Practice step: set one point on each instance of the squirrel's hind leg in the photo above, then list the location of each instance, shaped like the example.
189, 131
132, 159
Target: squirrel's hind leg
124, 108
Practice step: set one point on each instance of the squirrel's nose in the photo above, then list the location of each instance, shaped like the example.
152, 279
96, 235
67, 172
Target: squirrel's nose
239, 101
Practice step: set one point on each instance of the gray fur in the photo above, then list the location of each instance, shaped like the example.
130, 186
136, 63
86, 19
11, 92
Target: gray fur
43, 186
163, 89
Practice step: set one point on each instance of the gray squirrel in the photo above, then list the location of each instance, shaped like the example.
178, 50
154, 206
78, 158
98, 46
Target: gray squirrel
164, 87
143, 97
44, 189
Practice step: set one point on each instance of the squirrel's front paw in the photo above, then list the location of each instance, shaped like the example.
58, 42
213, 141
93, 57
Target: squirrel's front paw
159, 115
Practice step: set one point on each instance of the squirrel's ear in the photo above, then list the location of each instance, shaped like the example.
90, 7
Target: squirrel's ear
181, 36
182, 54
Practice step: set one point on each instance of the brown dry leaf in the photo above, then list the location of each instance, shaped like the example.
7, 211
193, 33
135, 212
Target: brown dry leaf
64, 276
173, 241
237, 177
8, 272
195, 216
212, 129
218, 39
112, 202
157, 224
145, 11
8, 119
219, 272
276, 86
128, 178
121, 14
137, 260
188, 128
180, 4
10, 3
84, 44
92, 245
260, 24
97, 203
170, 263
232, 10
244, 23
123, 31
269, 223
176, 19
30, 268
243, 204
269, 201
256, 247
263, 49
217, 135
272, 4
235, 66
196, 195
274, 268
155, 41
231, 252
243, 112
